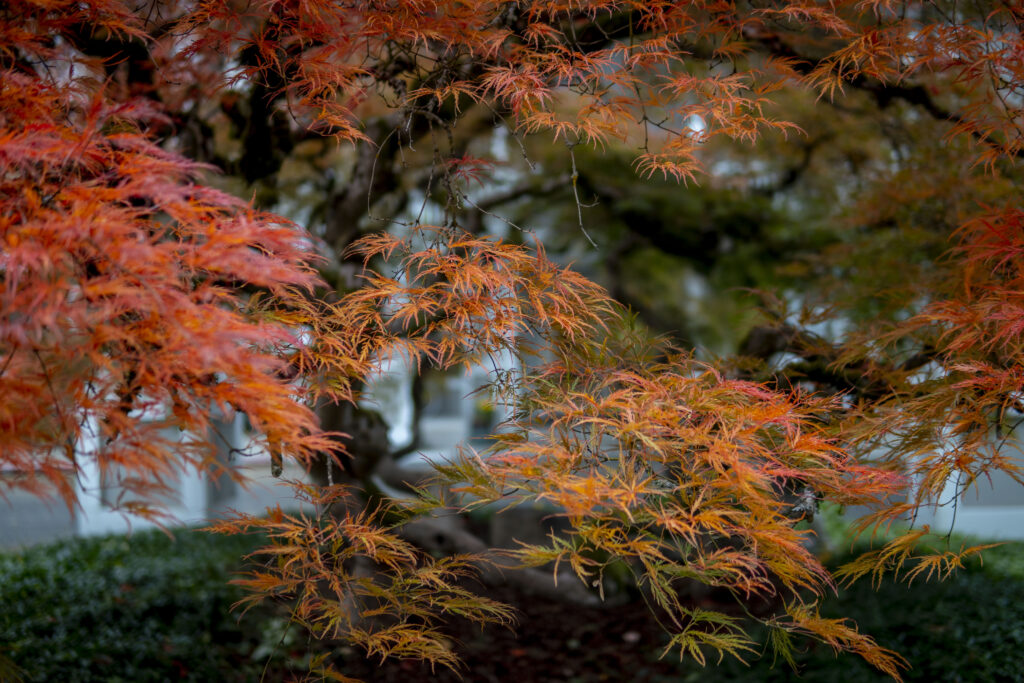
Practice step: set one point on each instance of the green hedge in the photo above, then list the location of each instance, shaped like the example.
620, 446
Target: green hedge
969, 627
140, 608
147, 608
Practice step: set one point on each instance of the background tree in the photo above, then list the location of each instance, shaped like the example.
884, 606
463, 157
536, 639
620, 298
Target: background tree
133, 289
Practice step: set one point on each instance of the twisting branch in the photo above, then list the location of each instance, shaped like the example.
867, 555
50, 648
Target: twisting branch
883, 93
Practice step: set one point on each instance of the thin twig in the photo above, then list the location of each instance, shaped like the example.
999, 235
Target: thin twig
7, 361
501, 218
576, 194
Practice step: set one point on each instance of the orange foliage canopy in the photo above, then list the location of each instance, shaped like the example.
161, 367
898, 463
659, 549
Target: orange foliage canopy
121, 283
134, 299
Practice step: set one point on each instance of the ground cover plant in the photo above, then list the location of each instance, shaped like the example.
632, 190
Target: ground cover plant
391, 174
144, 608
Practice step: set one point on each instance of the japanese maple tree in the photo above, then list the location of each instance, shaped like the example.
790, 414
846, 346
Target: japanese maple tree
136, 297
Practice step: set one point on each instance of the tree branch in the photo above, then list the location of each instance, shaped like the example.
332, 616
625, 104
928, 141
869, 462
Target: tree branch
883, 93
434, 535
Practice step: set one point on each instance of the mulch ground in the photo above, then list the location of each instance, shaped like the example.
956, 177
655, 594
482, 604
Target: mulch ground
551, 642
